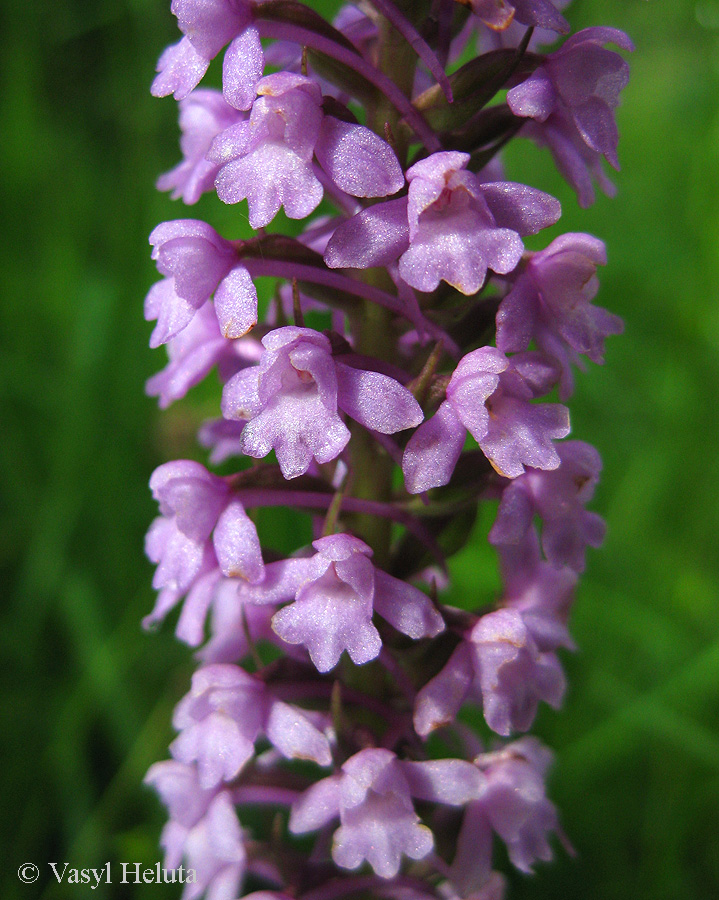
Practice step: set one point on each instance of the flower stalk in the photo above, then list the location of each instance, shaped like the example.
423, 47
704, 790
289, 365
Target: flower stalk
422, 392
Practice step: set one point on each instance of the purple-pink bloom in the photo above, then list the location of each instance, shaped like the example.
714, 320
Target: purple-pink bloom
222, 436
211, 24
215, 851
492, 886
541, 592
332, 608
203, 830
550, 304
224, 714
378, 821
515, 803
513, 674
180, 791
171, 312
334, 594
208, 26
572, 96
499, 663
194, 352
234, 625
268, 159
191, 500
292, 401
499, 14
451, 227
559, 498
203, 115
194, 504
196, 263
512, 36
490, 396
373, 799
197, 593
180, 69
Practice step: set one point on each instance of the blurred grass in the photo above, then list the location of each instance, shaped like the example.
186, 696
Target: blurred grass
87, 696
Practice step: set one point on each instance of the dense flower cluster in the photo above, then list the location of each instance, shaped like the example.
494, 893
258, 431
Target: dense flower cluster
420, 386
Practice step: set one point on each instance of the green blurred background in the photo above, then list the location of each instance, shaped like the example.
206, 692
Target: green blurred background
87, 695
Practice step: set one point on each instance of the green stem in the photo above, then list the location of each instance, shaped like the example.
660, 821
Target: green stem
372, 468
397, 60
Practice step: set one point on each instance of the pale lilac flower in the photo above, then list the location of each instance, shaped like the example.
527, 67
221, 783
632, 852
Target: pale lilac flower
292, 401
215, 851
208, 26
267, 895
373, 799
203, 115
513, 674
541, 592
499, 14
515, 803
489, 395
451, 227
181, 565
471, 873
559, 498
194, 352
180, 791
194, 504
191, 500
224, 714
222, 436
572, 96
193, 255
513, 35
198, 597
491, 887
378, 821
234, 624
172, 312
498, 663
202, 830
269, 159
196, 263
550, 304
334, 594
180, 69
